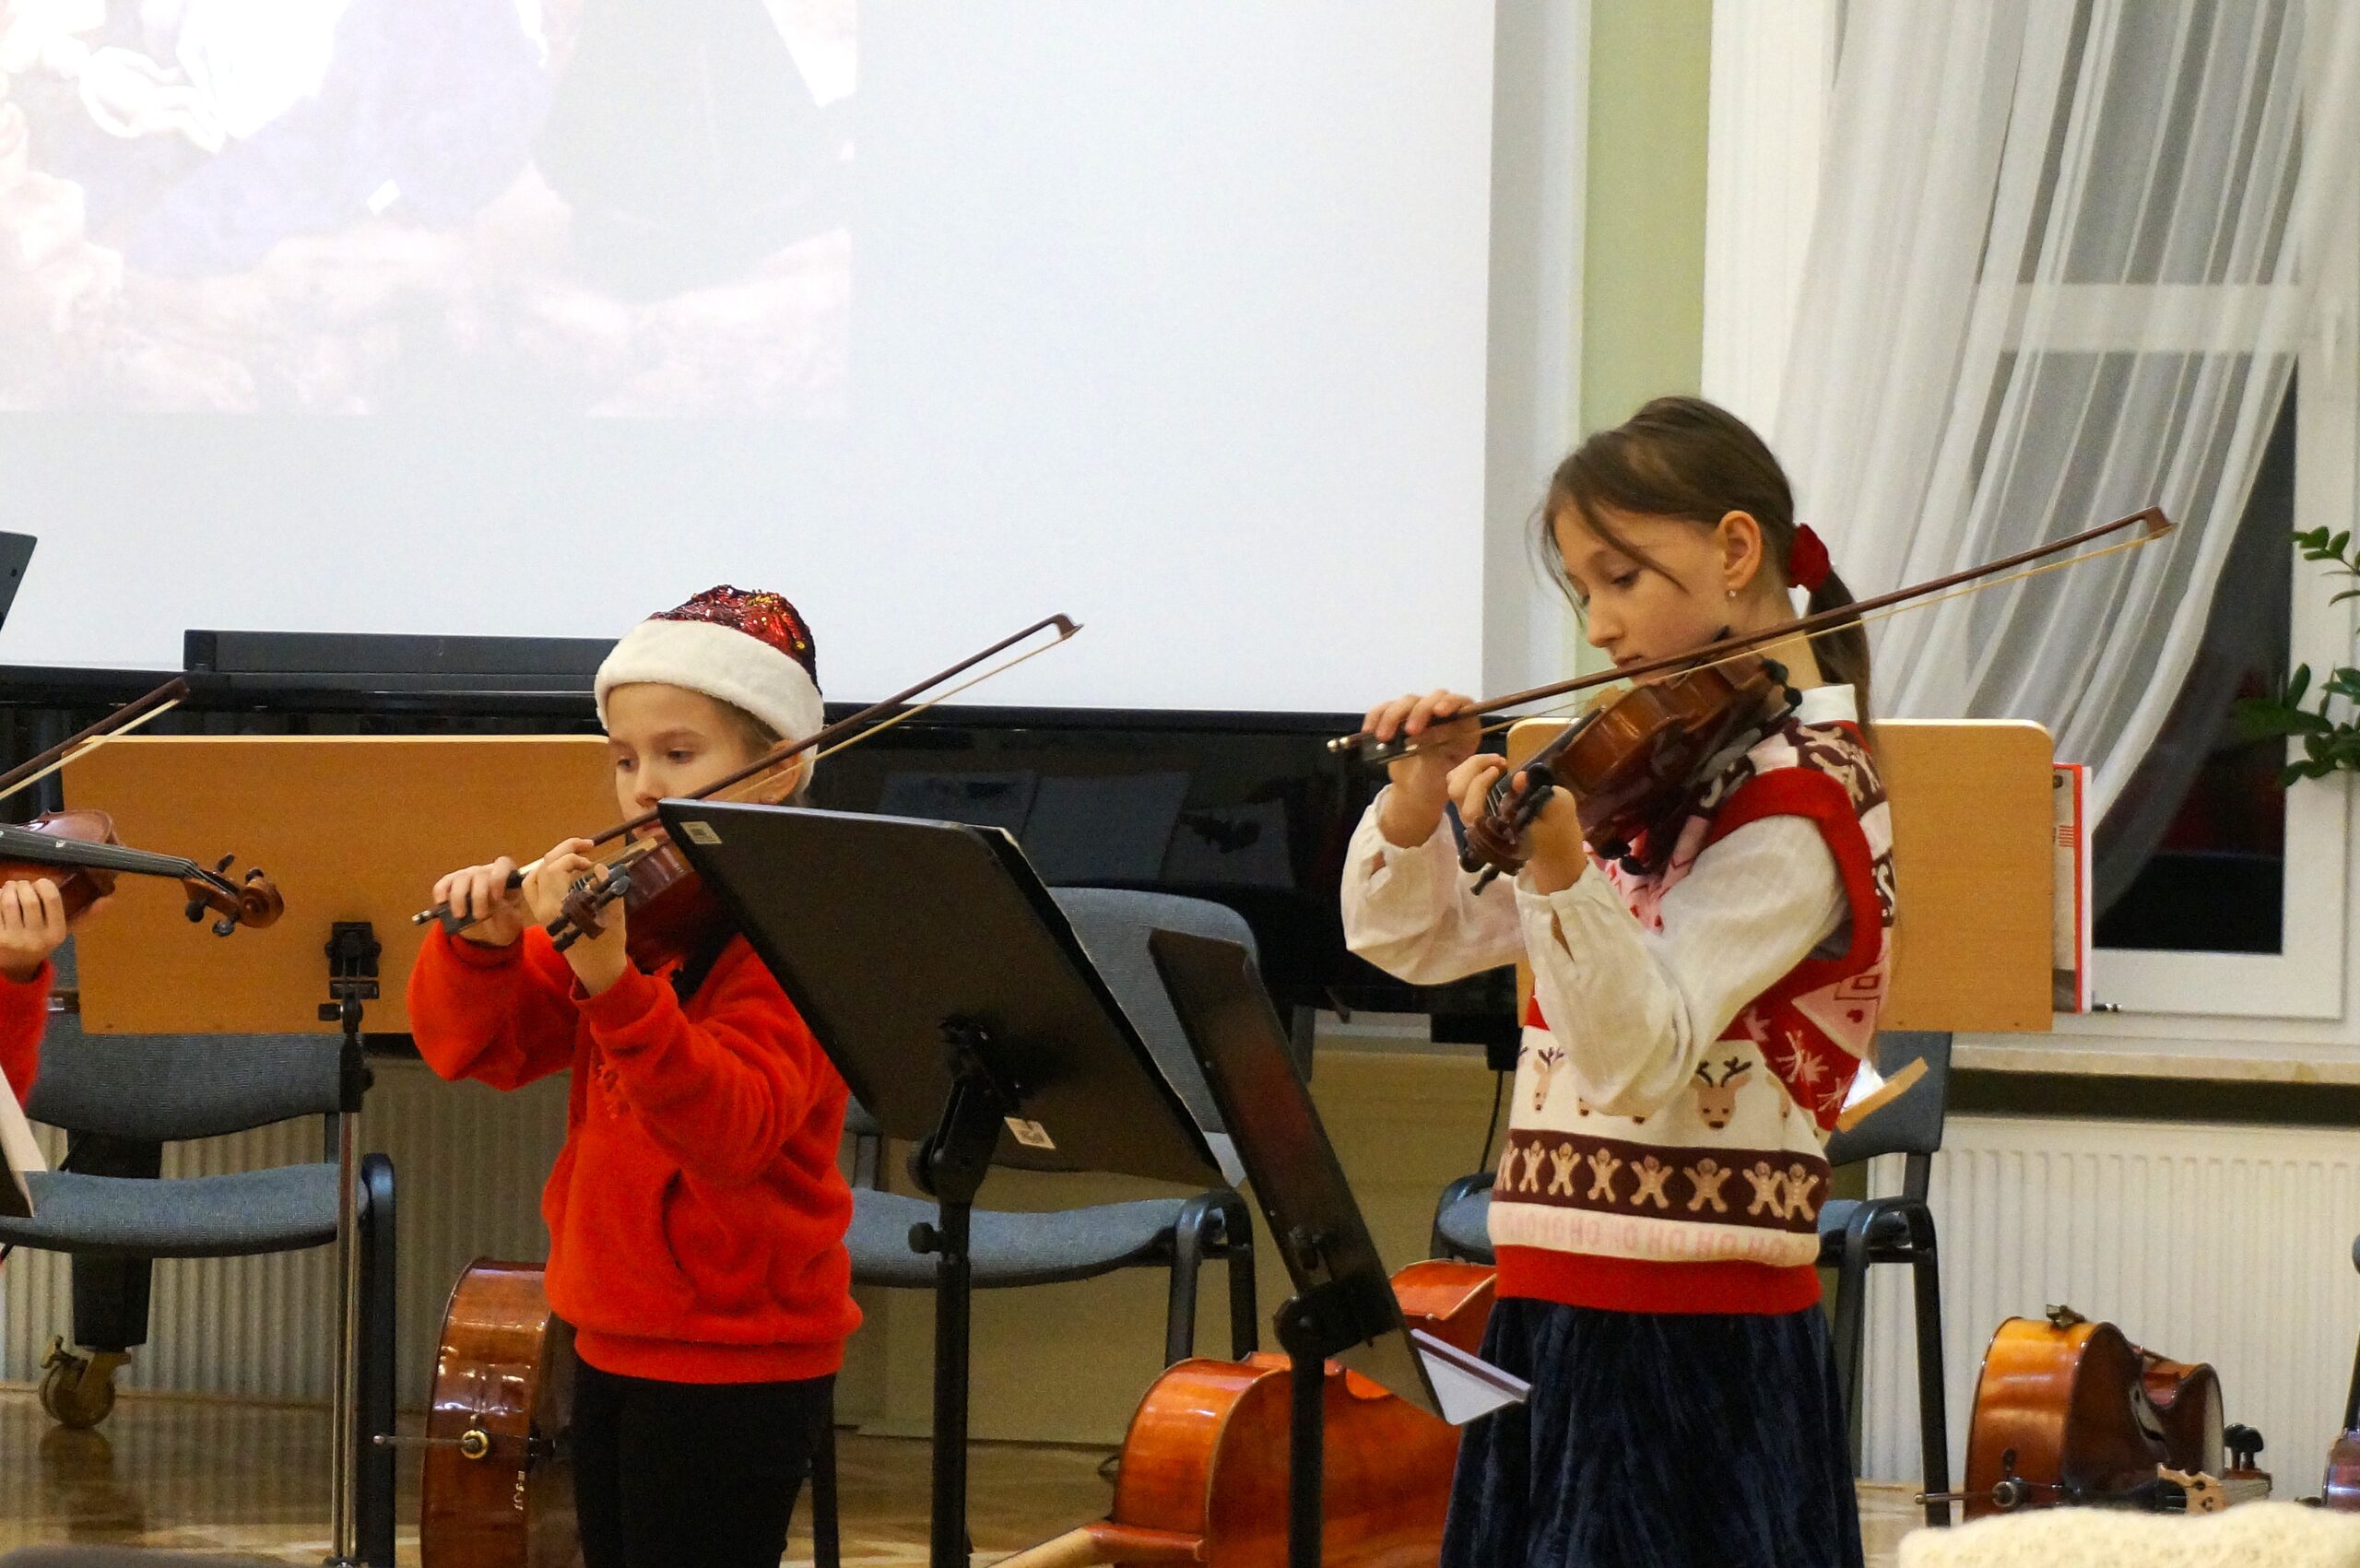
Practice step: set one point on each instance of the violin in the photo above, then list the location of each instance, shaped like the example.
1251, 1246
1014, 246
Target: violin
669, 913
80, 852
1203, 1479
1631, 760
2067, 1411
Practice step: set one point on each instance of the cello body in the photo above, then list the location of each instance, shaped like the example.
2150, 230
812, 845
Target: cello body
497, 1487
1204, 1470
2070, 1411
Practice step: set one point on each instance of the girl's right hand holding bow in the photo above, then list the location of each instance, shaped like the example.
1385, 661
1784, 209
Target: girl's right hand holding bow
480, 895
1445, 736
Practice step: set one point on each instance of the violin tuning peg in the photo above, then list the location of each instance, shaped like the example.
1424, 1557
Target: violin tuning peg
196, 911
226, 925
223, 865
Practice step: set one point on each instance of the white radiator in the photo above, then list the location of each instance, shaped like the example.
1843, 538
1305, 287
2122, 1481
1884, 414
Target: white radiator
467, 1169
2227, 1245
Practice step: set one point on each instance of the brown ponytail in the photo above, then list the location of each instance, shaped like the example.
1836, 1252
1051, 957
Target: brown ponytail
1842, 649
1686, 458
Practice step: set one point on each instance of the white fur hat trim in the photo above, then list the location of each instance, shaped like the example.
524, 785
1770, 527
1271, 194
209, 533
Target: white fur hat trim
722, 662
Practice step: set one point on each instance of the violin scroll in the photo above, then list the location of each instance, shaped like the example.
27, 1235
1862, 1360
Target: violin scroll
253, 901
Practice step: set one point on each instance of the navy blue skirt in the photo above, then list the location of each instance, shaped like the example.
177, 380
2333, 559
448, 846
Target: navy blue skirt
1658, 1439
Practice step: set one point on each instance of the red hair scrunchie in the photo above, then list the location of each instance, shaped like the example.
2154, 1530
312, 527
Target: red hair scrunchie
1807, 562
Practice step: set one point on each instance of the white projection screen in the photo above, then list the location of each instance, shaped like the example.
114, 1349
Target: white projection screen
531, 316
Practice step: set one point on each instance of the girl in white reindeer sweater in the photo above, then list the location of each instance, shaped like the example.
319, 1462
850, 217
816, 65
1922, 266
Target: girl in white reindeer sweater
1701, 1006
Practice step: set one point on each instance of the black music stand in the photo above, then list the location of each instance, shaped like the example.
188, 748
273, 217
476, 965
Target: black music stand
16, 553
951, 992
1343, 1308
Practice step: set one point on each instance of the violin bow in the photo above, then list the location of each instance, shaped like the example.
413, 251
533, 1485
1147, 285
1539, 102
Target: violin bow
122, 722
826, 742
2150, 517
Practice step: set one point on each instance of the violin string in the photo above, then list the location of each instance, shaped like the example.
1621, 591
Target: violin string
88, 746
1497, 725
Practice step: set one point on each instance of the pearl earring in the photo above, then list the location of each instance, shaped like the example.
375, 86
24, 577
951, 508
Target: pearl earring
1732, 592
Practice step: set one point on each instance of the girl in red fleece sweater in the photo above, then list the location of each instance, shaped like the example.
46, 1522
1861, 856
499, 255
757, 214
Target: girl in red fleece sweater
696, 1214
32, 926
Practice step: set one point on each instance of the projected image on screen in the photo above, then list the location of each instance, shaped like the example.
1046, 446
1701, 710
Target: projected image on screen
604, 207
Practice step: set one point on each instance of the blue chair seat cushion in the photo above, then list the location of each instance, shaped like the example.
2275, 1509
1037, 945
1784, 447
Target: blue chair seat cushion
229, 1216
1009, 1248
1466, 1224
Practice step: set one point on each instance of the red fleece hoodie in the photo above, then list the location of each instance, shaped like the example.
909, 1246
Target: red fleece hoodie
24, 1015
696, 1214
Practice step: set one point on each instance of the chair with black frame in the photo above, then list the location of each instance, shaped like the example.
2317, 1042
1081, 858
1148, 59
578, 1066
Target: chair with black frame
1015, 1249
1854, 1234
120, 1099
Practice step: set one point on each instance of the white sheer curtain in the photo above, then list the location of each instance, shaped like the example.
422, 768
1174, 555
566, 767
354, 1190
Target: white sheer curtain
2063, 258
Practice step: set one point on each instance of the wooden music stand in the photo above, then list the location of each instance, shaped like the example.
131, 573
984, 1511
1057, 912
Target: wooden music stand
1973, 824
353, 828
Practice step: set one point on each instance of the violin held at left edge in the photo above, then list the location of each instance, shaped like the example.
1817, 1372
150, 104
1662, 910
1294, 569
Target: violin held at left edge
80, 852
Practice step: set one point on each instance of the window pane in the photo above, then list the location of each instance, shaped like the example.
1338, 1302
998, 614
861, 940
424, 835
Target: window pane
2192, 857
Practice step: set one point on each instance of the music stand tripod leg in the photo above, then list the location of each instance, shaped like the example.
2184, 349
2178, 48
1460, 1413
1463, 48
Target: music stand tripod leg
950, 1166
1306, 1350
352, 954
1324, 1320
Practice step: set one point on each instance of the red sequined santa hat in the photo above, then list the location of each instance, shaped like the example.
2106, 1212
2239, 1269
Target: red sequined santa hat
749, 649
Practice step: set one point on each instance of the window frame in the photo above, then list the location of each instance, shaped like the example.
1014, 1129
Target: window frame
2229, 1006
2305, 979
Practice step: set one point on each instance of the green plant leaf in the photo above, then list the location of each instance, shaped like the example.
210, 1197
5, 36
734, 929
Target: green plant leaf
2259, 719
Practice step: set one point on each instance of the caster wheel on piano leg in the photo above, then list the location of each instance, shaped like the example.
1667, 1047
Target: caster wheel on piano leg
77, 1390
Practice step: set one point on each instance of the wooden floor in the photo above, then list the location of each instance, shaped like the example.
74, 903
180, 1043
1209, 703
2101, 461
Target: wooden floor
206, 1475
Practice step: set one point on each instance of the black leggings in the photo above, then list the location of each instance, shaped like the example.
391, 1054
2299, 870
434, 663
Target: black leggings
690, 1475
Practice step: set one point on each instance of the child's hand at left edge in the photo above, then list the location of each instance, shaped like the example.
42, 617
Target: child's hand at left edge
32, 926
